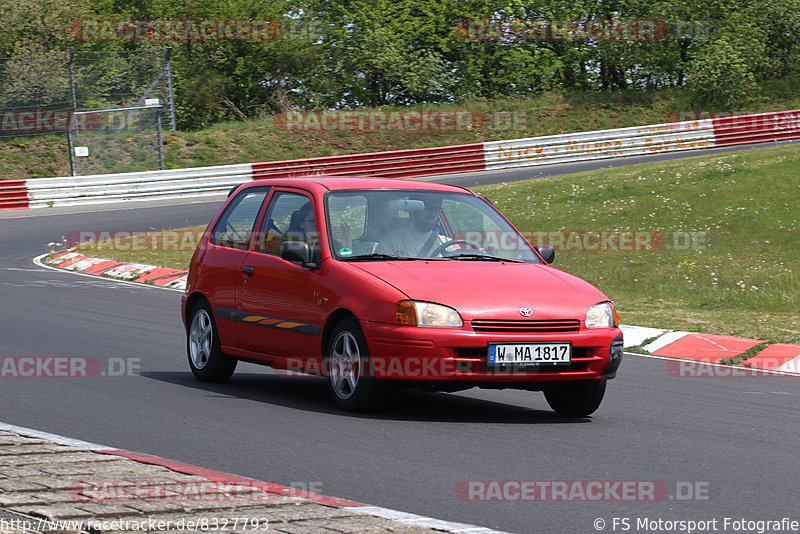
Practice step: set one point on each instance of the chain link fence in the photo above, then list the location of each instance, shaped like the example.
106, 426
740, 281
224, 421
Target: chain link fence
91, 95
116, 140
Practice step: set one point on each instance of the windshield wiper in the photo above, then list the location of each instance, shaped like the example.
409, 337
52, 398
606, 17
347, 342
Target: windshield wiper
376, 257
481, 257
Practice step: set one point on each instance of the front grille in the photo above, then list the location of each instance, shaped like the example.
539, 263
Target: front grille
474, 359
526, 326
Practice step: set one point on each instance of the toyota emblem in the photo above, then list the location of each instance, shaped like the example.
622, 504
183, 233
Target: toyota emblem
525, 312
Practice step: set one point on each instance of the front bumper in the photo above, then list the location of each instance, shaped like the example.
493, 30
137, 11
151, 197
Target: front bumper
417, 354
184, 300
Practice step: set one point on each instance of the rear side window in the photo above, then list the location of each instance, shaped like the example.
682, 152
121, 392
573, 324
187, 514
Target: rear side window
235, 227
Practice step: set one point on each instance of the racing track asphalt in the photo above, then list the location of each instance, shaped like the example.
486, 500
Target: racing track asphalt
734, 438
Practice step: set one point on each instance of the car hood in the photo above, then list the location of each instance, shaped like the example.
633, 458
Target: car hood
490, 289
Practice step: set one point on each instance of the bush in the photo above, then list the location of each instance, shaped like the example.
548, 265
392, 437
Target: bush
721, 76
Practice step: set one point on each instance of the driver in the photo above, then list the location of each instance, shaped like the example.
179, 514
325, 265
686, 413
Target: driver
304, 228
420, 239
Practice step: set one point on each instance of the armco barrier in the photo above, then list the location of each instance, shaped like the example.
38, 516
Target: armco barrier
633, 141
394, 164
154, 185
745, 129
13, 194
515, 153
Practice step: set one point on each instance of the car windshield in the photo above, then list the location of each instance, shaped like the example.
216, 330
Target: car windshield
375, 225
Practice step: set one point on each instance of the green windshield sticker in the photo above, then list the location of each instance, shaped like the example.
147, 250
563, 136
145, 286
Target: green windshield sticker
345, 251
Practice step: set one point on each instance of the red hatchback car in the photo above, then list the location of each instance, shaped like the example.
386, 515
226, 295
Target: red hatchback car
372, 282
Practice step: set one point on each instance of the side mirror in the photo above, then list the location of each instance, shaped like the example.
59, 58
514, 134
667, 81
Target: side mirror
547, 252
297, 252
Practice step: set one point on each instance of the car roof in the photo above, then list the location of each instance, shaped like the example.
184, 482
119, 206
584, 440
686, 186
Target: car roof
333, 183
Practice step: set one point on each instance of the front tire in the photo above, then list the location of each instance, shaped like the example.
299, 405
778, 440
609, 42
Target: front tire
349, 368
578, 399
203, 347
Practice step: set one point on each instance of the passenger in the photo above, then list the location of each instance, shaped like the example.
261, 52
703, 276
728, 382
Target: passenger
303, 227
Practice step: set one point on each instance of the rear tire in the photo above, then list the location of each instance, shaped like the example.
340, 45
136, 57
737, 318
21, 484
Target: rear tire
578, 399
203, 347
349, 370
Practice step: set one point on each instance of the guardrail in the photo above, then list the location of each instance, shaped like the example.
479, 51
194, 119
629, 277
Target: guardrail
633, 141
152, 185
393, 164
13, 194
758, 128
514, 153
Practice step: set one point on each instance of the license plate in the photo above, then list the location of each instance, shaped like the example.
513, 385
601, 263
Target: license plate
529, 353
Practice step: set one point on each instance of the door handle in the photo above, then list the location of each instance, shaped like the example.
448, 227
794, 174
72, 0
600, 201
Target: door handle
248, 270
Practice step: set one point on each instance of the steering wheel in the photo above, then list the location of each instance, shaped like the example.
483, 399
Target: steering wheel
237, 237
440, 248
271, 226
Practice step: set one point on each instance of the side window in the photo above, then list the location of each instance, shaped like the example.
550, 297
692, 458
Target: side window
464, 217
347, 216
235, 227
349, 210
290, 217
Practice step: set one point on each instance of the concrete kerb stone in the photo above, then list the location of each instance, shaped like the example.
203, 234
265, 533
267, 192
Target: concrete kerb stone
636, 335
664, 340
53, 492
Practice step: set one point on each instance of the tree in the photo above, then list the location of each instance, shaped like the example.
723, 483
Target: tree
721, 74
35, 27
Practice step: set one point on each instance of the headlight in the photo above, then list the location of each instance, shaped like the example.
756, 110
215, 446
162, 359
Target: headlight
414, 313
602, 315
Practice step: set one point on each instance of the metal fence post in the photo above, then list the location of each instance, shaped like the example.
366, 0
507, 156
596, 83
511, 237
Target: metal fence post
160, 143
70, 149
72, 81
172, 125
72, 116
